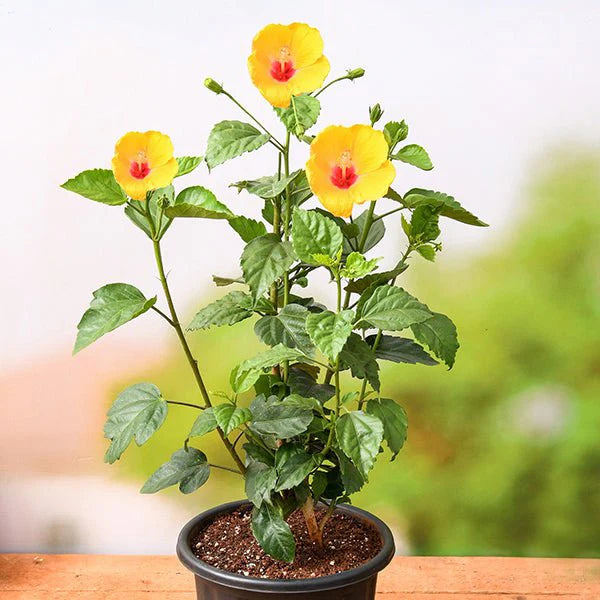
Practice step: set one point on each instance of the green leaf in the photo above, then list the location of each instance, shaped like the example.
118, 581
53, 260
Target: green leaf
247, 372
301, 114
375, 235
391, 308
329, 330
288, 327
301, 402
260, 480
447, 205
137, 413
198, 202
99, 185
273, 533
266, 187
394, 195
357, 266
400, 350
265, 259
360, 358
247, 229
395, 423
204, 423
229, 139
300, 190
162, 196
113, 305
414, 155
188, 468
313, 233
254, 452
395, 132
352, 480
424, 223
439, 334
319, 483
232, 308
358, 286
225, 281
359, 436
306, 385
293, 466
229, 417
284, 419
427, 252
187, 164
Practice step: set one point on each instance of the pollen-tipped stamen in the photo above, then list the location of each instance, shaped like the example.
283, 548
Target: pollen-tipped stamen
284, 56
345, 162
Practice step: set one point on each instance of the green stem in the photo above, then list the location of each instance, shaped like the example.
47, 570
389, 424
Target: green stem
286, 234
225, 468
272, 139
336, 374
330, 84
184, 344
287, 216
387, 214
162, 314
186, 404
363, 241
363, 389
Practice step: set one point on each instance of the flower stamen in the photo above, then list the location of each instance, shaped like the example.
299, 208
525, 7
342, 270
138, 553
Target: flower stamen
283, 69
343, 174
139, 167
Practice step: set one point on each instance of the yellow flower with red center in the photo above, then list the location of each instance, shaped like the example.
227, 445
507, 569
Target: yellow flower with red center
144, 162
287, 60
348, 166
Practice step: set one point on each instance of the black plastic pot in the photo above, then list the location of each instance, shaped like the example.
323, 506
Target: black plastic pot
216, 584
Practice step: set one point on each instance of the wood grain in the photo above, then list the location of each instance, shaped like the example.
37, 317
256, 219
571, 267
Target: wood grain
94, 577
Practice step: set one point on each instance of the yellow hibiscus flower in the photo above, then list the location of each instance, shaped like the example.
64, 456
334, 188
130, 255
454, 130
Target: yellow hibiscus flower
287, 60
347, 166
143, 162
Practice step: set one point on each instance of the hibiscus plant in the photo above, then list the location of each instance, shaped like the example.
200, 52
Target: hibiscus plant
306, 418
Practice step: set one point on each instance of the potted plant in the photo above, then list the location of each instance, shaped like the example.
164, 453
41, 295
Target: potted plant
306, 418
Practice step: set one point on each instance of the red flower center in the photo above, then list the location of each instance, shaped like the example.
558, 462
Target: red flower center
283, 69
282, 72
344, 175
139, 170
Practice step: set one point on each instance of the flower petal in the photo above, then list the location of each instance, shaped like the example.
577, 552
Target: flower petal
310, 78
278, 93
327, 147
374, 185
130, 145
306, 45
369, 148
269, 40
162, 176
159, 148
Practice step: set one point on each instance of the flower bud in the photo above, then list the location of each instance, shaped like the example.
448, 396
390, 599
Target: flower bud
355, 73
375, 113
213, 86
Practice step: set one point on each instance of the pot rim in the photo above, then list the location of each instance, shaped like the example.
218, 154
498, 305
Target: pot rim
327, 582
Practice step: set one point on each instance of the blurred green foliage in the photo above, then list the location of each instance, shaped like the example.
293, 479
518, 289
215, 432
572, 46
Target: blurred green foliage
503, 454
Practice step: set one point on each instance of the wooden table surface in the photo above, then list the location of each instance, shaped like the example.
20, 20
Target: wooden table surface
97, 577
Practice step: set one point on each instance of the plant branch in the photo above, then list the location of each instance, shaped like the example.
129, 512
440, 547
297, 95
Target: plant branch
387, 214
272, 139
186, 404
225, 468
162, 314
184, 344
